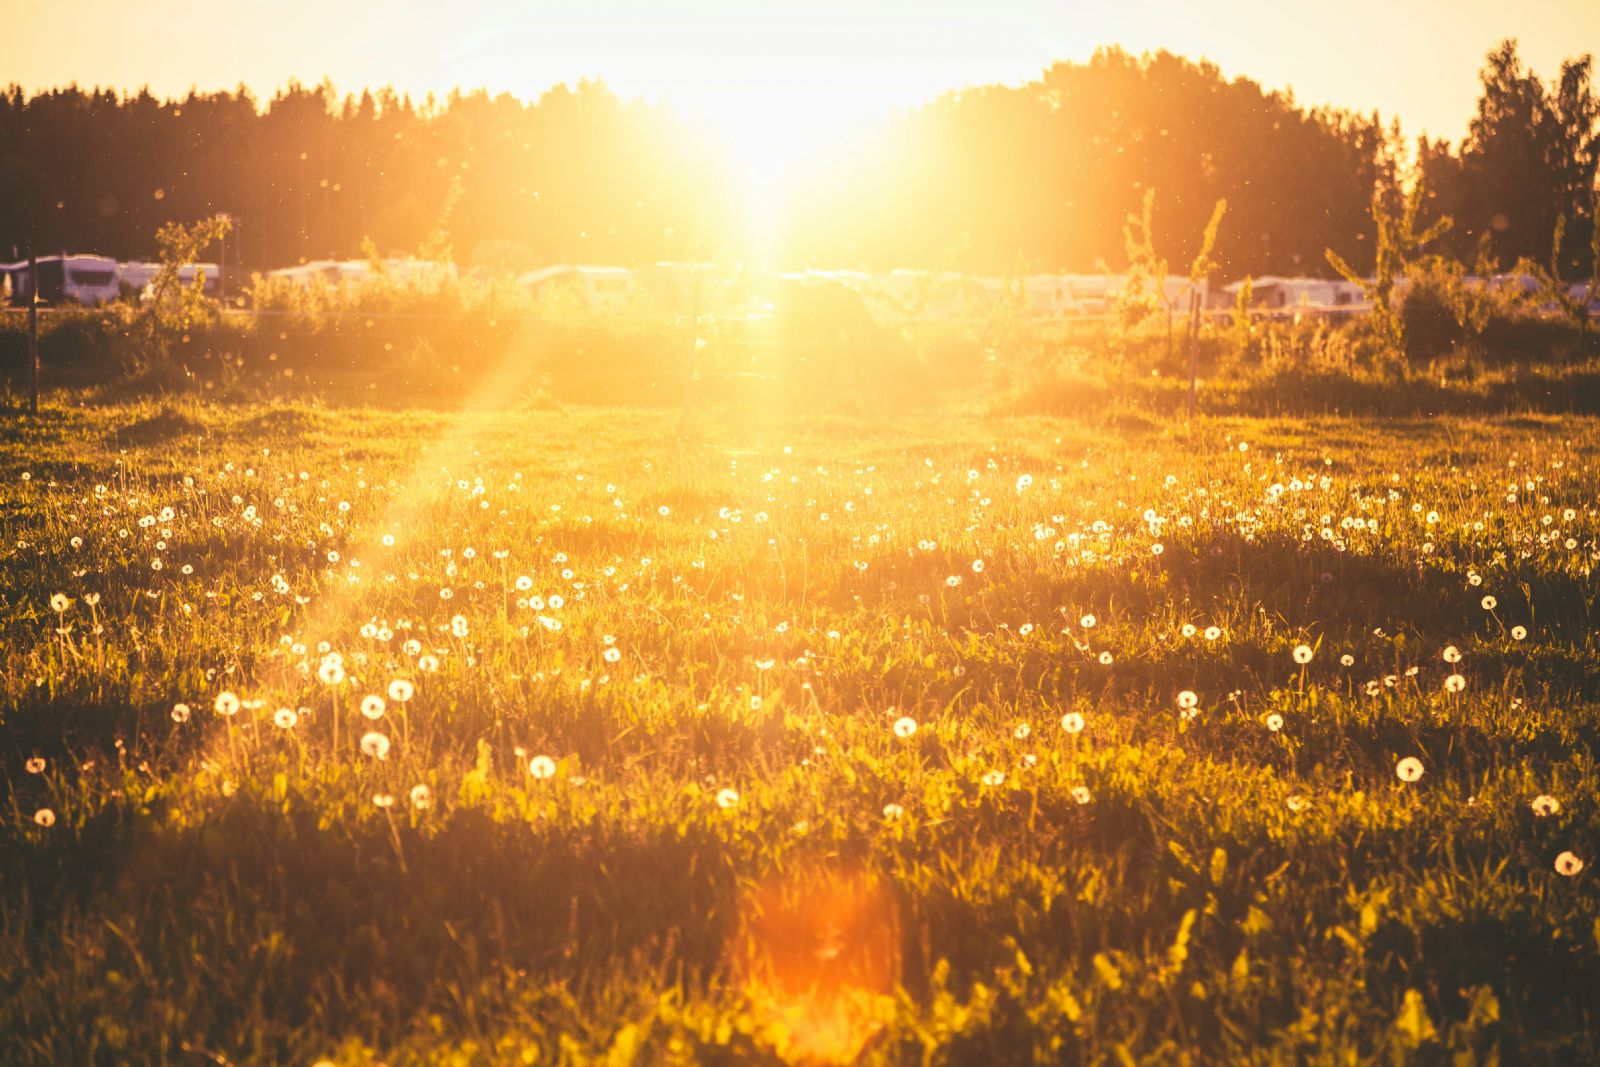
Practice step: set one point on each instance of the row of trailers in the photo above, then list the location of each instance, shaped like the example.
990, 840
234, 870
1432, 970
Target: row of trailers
90, 280
896, 295
900, 295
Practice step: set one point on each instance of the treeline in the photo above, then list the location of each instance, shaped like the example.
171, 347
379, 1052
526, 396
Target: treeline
1039, 177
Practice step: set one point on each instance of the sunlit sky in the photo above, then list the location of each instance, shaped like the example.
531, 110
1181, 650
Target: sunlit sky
807, 67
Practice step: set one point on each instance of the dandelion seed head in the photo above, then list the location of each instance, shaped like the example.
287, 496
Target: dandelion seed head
375, 745
1408, 769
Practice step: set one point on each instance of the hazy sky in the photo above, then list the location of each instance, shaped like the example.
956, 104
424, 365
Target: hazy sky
746, 64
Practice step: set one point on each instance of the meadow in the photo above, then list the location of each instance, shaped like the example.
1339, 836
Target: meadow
541, 734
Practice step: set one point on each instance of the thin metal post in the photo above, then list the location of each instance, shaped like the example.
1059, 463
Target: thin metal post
1194, 349
33, 333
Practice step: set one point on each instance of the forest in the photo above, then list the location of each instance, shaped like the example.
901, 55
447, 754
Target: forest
1039, 177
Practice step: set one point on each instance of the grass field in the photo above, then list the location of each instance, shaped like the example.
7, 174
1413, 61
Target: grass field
579, 736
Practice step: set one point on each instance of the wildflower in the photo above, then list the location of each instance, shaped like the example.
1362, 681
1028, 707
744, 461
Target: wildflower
1347, 660
1545, 804
47, 818
1295, 803
421, 797
1105, 658
227, 704
1408, 769
994, 778
1489, 603
1188, 699
60, 602
1455, 683
1212, 633
613, 654
1022, 731
375, 745
1024, 482
1567, 863
1274, 722
727, 798
1451, 654
893, 812
180, 713
383, 800
1302, 654
1072, 722
372, 706
905, 726
1080, 794
331, 670
977, 566
542, 767
401, 690
35, 765
953, 581
1519, 632
1087, 622
285, 718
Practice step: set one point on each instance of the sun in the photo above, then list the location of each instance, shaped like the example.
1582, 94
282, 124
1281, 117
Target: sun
773, 137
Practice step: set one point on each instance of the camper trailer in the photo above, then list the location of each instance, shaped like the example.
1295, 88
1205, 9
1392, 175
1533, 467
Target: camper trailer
65, 279
1322, 295
600, 289
209, 275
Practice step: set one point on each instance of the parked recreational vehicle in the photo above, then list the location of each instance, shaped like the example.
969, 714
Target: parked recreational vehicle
1312, 294
72, 279
134, 275
681, 288
595, 288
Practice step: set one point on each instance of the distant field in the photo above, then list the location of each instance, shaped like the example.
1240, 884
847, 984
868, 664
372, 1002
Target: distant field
577, 736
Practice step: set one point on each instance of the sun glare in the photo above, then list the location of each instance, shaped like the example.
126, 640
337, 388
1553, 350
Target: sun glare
774, 138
